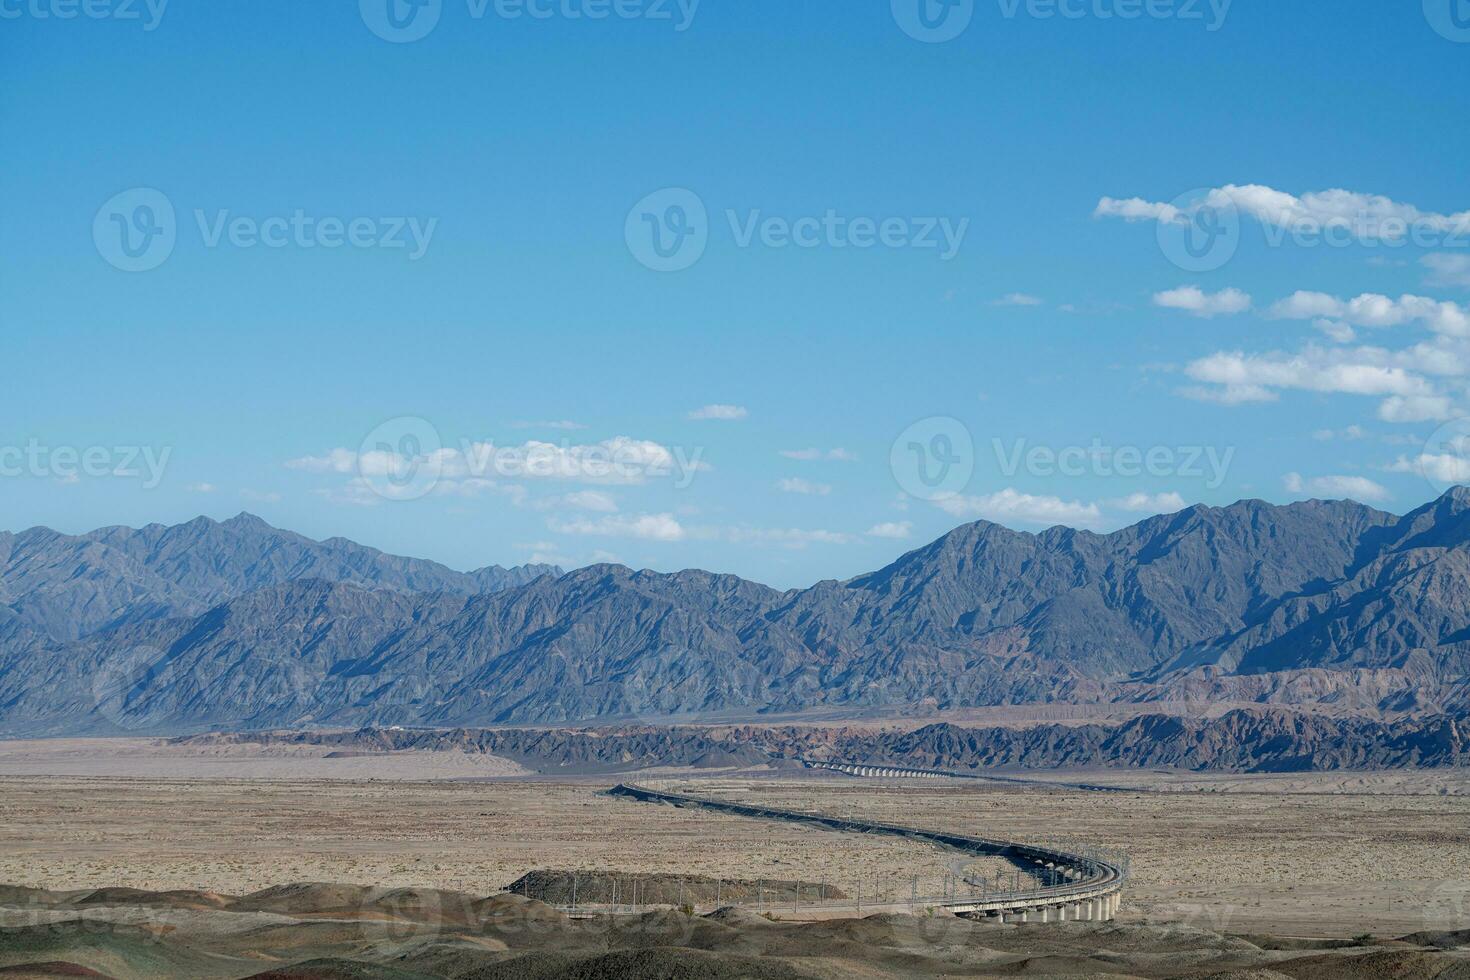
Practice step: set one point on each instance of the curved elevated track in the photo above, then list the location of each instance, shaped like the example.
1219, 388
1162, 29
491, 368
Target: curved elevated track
1088, 886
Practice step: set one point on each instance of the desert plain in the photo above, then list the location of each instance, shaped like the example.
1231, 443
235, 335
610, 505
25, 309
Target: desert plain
1329, 855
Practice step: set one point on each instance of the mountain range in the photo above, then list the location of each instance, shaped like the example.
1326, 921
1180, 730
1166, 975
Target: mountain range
1328, 606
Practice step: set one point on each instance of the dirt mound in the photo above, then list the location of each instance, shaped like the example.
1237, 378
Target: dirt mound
184, 898
1381, 965
646, 964
1443, 940
54, 970
738, 918
357, 901
557, 887
305, 897
105, 947
326, 931
507, 908
335, 969
19, 896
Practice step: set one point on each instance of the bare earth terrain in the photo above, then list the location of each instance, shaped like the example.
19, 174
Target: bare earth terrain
1336, 855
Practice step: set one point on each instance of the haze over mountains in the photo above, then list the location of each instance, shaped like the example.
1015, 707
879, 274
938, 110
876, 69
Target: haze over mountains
1324, 605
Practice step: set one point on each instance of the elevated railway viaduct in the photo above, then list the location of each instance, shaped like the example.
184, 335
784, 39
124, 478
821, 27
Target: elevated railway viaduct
1085, 887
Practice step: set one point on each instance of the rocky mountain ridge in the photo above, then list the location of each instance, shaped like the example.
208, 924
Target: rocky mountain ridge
1328, 604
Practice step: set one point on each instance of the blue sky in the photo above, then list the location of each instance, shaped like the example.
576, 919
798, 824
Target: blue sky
979, 277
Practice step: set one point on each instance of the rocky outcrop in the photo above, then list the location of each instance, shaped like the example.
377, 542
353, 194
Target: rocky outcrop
1253, 740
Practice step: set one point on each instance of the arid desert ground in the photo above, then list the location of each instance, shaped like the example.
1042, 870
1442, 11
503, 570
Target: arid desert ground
1318, 855
298, 863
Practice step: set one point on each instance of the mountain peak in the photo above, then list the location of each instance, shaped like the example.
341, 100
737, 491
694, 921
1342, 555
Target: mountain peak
245, 519
1459, 496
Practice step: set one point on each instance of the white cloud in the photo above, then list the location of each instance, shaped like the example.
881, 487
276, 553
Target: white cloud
1442, 467
1371, 217
896, 530
617, 461
1018, 299
838, 455
798, 485
1416, 408
1375, 310
1230, 394
1336, 330
1447, 270
1135, 209
1011, 505
785, 537
1143, 503
260, 496
1196, 301
1396, 376
1350, 434
1314, 369
362, 491
647, 527
727, 413
1355, 487
201, 488
593, 500
545, 553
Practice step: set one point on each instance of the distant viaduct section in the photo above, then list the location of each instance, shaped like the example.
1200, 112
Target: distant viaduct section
894, 772
1089, 888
